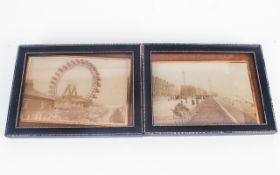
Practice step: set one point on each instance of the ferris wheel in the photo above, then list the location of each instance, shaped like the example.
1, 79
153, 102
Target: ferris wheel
95, 77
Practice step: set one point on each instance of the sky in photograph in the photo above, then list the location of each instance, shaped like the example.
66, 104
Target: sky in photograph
229, 79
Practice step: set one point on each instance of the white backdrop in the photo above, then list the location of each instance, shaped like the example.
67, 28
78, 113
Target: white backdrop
127, 21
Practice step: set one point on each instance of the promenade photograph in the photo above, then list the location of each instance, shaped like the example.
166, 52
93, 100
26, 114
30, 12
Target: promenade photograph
202, 93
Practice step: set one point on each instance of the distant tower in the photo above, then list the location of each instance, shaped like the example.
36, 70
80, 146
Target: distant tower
210, 86
184, 77
70, 91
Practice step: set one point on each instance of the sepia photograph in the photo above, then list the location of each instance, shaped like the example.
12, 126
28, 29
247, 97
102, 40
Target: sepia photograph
76, 90
203, 89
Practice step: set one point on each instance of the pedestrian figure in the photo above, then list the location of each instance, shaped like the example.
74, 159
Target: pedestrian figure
192, 101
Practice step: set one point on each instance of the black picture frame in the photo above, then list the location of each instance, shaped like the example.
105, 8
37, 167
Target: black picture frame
268, 128
15, 99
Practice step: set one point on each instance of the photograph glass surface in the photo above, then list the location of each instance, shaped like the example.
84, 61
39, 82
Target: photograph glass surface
203, 89
77, 90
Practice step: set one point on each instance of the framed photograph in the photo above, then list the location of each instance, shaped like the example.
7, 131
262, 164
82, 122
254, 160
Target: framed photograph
206, 89
76, 90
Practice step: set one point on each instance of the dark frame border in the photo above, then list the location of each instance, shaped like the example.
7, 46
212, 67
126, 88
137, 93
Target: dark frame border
269, 127
15, 99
